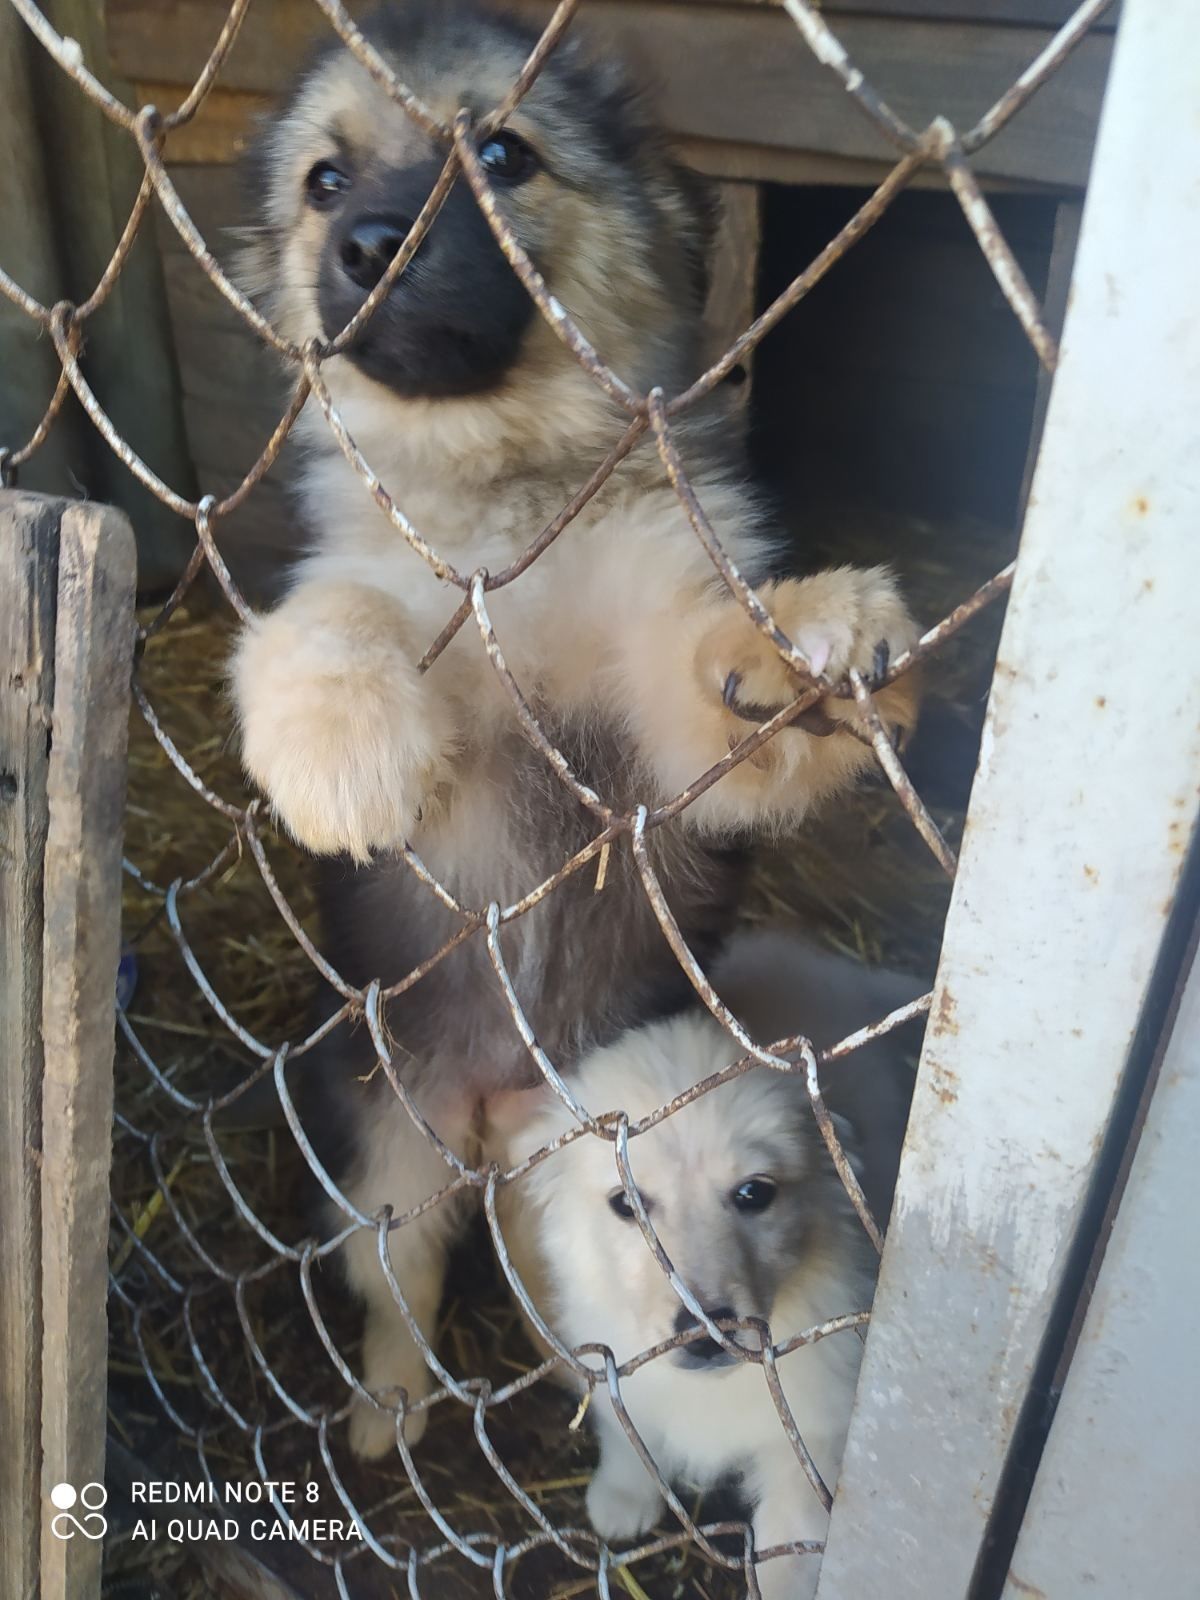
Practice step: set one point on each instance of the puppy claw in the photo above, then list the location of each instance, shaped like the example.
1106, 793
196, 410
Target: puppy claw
839, 619
879, 664
816, 643
813, 720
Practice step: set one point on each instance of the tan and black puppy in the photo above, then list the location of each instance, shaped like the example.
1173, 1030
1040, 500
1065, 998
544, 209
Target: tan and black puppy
482, 426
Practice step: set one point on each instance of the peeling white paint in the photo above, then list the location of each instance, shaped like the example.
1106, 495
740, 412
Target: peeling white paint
1082, 813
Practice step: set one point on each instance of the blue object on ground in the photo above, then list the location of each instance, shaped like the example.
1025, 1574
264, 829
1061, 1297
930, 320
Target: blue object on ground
127, 972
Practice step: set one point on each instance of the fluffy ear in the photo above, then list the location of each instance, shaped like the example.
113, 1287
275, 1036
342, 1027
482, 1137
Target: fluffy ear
507, 1118
696, 211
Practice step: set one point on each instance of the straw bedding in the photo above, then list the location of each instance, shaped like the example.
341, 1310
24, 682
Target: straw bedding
858, 878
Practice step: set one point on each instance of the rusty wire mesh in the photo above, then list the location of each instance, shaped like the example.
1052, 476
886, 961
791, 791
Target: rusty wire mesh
155, 1286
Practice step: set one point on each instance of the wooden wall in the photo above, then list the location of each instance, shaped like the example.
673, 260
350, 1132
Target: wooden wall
233, 388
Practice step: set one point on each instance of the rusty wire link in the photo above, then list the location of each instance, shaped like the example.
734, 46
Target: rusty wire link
142, 1283
830, 52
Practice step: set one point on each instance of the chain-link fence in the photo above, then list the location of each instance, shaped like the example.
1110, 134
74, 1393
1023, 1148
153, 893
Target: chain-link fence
225, 1312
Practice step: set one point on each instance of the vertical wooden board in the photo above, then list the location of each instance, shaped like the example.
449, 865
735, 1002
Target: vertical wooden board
733, 277
29, 368
1112, 1514
28, 582
94, 171
82, 898
1083, 813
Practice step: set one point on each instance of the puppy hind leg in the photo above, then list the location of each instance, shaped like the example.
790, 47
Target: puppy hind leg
391, 1358
401, 1169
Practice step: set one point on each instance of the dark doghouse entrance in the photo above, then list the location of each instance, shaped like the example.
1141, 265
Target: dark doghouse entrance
902, 383
891, 416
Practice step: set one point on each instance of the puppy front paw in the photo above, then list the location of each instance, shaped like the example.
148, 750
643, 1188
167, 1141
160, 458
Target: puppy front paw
373, 1432
337, 728
789, 1577
622, 1507
842, 618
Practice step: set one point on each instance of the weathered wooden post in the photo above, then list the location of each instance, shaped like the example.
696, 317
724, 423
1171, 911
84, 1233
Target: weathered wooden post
67, 574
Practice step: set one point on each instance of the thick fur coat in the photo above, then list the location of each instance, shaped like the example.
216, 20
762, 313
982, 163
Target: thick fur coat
482, 426
745, 1201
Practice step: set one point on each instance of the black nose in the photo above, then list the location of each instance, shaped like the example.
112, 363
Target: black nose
368, 248
702, 1349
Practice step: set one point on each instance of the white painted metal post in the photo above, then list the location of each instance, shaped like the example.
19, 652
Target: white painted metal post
1113, 1510
1084, 808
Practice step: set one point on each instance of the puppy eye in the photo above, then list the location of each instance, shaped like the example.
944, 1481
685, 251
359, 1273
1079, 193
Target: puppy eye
326, 184
755, 1194
621, 1204
506, 156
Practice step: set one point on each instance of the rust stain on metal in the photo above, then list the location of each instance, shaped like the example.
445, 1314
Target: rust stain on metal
944, 1083
1029, 1589
944, 1016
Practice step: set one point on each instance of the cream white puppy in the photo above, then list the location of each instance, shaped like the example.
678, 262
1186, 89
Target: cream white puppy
743, 1197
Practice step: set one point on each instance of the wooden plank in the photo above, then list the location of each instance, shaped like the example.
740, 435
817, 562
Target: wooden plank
1049, 13
28, 587
211, 195
81, 947
31, 257
224, 131
271, 45
96, 170
221, 132
733, 279
741, 76
1121, 1456
749, 78
234, 393
757, 163
1046, 13
1082, 817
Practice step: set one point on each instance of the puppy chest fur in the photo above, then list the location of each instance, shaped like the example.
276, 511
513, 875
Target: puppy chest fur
584, 963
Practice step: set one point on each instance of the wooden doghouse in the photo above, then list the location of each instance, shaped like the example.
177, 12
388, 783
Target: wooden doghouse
904, 374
